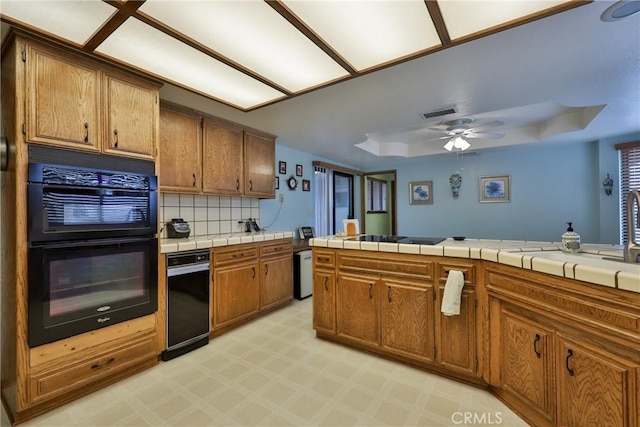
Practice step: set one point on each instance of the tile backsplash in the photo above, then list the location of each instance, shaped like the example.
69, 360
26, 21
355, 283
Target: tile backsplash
208, 214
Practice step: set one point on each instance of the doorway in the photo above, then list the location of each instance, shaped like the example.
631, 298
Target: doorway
378, 195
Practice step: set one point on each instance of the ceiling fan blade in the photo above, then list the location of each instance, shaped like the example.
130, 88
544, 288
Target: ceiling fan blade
484, 135
488, 124
437, 129
441, 137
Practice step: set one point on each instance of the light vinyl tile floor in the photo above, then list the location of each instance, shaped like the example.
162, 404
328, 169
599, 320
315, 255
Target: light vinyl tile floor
275, 372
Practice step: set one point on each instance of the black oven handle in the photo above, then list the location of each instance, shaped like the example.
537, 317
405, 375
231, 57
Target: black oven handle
187, 269
92, 242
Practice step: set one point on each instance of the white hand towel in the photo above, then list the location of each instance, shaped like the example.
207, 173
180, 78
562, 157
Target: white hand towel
452, 293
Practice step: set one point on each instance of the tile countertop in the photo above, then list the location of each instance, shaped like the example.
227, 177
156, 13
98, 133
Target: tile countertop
590, 265
215, 240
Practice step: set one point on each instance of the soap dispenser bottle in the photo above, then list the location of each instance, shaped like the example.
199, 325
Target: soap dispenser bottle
570, 241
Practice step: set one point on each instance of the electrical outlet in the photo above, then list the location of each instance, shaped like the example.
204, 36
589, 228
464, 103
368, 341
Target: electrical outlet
281, 197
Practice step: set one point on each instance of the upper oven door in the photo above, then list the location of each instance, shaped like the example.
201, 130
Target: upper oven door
74, 204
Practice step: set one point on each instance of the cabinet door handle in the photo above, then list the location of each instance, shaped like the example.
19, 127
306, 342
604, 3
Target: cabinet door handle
86, 132
250, 185
266, 269
194, 179
237, 184
535, 346
370, 290
566, 362
253, 269
389, 293
326, 283
115, 132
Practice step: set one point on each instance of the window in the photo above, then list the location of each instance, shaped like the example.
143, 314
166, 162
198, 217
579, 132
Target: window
376, 195
334, 199
629, 180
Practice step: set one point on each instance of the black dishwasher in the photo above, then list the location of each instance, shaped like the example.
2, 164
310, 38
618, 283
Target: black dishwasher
187, 302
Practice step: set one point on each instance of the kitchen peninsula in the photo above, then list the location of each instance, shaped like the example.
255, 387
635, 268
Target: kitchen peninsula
537, 327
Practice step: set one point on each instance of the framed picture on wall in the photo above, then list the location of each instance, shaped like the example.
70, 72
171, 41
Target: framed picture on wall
277, 182
298, 170
421, 193
306, 185
495, 189
282, 167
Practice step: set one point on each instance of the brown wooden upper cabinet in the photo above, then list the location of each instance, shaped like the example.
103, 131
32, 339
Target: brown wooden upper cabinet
180, 151
204, 154
74, 102
259, 165
131, 116
222, 159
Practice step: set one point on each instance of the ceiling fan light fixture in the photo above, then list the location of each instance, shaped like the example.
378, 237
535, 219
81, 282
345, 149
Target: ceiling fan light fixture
457, 143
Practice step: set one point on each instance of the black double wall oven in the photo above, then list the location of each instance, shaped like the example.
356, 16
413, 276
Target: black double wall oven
92, 242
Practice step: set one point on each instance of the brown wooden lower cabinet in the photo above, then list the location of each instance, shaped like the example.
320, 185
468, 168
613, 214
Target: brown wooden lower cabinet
249, 279
236, 293
559, 352
387, 303
357, 311
324, 300
406, 309
595, 384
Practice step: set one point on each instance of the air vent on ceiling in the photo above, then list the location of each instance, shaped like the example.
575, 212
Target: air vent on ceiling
438, 113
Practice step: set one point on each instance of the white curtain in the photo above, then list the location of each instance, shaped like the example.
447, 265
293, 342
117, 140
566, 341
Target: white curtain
322, 196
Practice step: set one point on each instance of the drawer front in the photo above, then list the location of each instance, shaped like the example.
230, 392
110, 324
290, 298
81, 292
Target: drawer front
53, 382
231, 254
324, 258
468, 271
282, 247
395, 264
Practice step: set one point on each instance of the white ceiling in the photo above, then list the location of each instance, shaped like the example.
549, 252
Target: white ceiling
566, 77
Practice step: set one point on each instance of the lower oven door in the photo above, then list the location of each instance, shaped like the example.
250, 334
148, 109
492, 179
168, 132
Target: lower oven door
77, 287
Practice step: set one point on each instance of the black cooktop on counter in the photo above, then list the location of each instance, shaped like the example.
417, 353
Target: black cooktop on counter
399, 239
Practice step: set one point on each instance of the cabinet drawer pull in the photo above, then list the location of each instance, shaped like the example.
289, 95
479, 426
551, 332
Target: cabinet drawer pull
323, 259
115, 132
86, 132
535, 346
370, 290
97, 366
326, 283
566, 362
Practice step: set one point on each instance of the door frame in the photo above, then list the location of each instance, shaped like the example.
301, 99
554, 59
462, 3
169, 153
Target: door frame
393, 197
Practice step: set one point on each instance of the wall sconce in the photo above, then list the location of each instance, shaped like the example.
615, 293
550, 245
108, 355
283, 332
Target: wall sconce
608, 185
455, 181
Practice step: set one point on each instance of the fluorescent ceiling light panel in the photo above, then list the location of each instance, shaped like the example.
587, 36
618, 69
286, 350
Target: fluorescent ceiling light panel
75, 21
369, 33
142, 46
470, 16
254, 35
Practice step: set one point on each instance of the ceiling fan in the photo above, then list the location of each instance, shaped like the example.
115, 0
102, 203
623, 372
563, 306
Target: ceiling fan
458, 131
